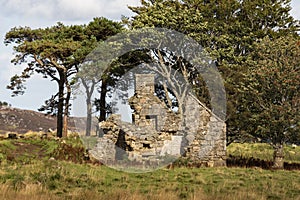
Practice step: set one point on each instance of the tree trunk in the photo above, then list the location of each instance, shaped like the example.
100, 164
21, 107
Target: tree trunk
66, 111
88, 116
102, 102
278, 157
60, 107
65, 126
89, 92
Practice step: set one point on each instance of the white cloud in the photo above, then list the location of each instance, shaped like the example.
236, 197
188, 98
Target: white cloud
76, 9
67, 9
7, 68
27, 8
43, 13
295, 4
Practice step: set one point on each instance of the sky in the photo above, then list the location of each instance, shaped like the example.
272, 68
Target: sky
44, 13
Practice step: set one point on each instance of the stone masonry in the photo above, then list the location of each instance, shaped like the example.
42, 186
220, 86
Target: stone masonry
156, 131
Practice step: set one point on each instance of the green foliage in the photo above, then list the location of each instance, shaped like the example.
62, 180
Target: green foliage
272, 85
70, 149
227, 29
56, 53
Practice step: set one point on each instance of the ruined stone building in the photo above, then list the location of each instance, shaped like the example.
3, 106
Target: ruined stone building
157, 132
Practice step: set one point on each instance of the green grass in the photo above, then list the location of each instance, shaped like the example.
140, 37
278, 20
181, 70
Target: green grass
62, 179
262, 151
6, 145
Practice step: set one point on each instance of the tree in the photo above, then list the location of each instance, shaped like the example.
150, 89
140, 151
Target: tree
227, 29
103, 71
56, 52
49, 52
100, 29
4, 104
272, 86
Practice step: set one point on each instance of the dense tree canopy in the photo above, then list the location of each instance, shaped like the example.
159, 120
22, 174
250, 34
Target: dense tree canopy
272, 92
227, 29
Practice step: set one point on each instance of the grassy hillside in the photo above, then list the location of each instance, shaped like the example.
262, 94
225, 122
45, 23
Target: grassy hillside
28, 171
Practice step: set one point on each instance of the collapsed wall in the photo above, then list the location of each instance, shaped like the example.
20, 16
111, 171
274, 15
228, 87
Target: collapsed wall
157, 131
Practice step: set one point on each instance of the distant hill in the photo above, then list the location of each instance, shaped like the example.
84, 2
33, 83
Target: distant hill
22, 121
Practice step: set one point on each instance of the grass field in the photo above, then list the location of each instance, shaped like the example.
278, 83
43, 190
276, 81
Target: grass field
263, 151
32, 175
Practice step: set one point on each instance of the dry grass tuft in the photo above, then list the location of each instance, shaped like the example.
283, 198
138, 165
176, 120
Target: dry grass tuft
29, 192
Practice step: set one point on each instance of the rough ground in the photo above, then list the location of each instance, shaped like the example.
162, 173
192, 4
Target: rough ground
25, 152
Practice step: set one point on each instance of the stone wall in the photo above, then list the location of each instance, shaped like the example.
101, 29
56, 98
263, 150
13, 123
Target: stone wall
157, 131
149, 111
205, 135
